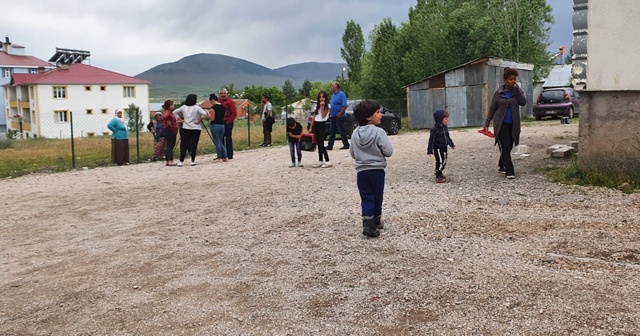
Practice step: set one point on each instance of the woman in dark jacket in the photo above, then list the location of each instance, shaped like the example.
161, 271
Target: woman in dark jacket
505, 113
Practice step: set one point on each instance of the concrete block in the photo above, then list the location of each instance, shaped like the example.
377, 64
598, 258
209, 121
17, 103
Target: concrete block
574, 144
523, 149
550, 149
3, 136
563, 152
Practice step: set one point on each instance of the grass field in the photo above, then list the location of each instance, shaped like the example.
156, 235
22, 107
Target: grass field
20, 157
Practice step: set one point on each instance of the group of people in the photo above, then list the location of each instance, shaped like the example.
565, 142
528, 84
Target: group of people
370, 147
186, 121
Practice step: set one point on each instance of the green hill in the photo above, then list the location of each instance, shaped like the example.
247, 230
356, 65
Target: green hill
206, 73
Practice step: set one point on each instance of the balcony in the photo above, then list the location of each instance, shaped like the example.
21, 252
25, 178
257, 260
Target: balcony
23, 104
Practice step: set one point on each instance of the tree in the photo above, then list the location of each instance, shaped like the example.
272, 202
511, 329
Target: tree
318, 86
353, 50
133, 114
289, 91
382, 76
305, 89
306, 105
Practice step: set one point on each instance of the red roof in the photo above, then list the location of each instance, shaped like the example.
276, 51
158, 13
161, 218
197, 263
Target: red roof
21, 61
76, 74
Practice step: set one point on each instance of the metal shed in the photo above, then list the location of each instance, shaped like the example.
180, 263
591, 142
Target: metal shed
465, 92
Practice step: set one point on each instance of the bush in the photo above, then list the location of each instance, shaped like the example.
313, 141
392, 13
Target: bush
4, 144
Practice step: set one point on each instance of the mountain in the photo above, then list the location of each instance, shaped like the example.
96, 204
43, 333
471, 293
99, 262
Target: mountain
206, 73
312, 71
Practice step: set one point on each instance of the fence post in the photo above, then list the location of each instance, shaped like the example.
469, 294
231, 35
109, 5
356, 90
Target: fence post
73, 149
138, 135
248, 127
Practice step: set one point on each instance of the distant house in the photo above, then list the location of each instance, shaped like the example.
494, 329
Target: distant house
241, 105
40, 104
465, 92
559, 76
14, 61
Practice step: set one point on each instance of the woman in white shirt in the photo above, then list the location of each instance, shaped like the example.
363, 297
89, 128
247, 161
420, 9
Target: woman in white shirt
318, 127
190, 116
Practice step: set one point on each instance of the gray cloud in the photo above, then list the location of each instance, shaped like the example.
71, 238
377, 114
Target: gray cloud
133, 36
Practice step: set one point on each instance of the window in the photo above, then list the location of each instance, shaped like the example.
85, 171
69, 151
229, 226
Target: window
31, 94
104, 111
89, 111
129, 92
6, 72
33, 117
103, 88
33, 71
59, 92
87, 88
61, 116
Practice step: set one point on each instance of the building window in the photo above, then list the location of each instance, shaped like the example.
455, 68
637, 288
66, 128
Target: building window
89, 111
104, 111
33, 71
31, 94
87, 88
129, 92
61, 116
6, 72
59, 92
33, 117
103, 88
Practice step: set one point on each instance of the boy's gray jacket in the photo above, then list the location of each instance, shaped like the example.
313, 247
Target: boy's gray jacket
370, 147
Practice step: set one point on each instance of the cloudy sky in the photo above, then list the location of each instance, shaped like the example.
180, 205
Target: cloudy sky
134, 35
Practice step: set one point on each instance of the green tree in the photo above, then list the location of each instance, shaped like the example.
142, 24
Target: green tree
382, 77
305, 89
133, 114
353, 49
306, 105
289, 91
318, 86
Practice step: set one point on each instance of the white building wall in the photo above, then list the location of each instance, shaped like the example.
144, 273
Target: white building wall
79, 101
612, 45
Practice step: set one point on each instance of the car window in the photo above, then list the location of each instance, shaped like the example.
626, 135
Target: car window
555, 95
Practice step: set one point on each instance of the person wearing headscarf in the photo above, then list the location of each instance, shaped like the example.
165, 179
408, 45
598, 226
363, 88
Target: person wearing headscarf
119, 140
189, 115
159, 142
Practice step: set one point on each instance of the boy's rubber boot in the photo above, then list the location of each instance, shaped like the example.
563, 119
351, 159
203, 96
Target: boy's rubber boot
369, 227
379, 223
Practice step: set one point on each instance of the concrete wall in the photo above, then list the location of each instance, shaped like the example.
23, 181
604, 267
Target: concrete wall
613, 45
610, 132
607, 74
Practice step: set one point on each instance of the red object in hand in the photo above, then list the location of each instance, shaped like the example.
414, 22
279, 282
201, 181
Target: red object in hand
486, 132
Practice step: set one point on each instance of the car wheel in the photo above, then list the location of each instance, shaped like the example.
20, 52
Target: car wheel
571, 113
538, 117
394, 127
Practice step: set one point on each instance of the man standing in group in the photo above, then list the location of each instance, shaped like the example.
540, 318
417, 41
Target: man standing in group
337, 117
267, 121
230, 114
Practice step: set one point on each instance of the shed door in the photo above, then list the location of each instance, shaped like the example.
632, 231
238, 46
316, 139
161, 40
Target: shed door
419, 113
457, 106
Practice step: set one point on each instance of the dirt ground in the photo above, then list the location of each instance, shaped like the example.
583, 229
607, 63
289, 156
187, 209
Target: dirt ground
253, 247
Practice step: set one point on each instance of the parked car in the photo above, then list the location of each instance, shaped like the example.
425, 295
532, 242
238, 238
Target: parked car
390, 122
557, 102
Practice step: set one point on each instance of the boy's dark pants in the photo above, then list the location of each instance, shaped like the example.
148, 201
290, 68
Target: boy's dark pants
505, 143
371, 188
441, 159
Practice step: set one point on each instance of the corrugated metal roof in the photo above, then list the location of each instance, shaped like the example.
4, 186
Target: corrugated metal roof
560, 76
21, 61
490, 59
76, 74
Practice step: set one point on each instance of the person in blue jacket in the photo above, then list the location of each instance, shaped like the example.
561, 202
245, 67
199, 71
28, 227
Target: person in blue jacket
439, 139
119, 140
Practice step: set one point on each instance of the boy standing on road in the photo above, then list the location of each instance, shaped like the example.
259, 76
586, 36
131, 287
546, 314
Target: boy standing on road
370, 147
439, 139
